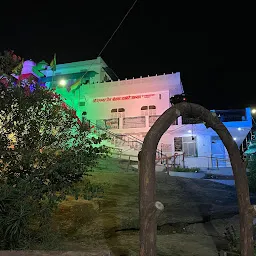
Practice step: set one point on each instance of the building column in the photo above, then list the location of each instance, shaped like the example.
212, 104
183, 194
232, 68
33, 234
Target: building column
147, 121
121, 119
180, 120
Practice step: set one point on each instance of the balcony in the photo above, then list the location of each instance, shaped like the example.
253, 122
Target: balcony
230, 117
129, 122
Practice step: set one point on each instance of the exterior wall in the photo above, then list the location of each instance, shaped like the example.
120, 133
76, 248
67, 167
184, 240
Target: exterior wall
203, 136
204, 153
132, 104
169, 82
101, 98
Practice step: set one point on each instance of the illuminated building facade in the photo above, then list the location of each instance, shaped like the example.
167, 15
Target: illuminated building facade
131, 106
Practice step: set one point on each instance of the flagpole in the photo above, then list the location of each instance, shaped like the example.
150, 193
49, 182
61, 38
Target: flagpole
53, 68
79, 96
53, 73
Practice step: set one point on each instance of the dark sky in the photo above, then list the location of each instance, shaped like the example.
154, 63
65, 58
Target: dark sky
214, 49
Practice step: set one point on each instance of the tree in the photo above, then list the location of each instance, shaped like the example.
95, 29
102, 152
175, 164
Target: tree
44, 149
8, 61
148, 206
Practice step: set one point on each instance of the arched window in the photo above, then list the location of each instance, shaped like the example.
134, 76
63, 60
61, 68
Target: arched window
144, 110
152, 110
114, 113
148, 110
121, 112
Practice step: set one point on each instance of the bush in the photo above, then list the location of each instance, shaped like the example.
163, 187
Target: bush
23, 218
184, 169
252, 174
44, 151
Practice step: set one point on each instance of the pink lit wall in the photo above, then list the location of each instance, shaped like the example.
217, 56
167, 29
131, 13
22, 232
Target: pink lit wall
128, 94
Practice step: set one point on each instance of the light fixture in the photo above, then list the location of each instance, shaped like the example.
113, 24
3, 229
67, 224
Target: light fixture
254, 111
239, 128
62, 82
189, 131
234, 138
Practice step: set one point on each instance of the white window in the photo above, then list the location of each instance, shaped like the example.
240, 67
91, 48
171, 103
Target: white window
114, 113
151, 110
144, 110
121, 112
117, 112
148, 110
187, 145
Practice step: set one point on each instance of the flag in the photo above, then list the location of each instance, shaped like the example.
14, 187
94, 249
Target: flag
53, 63
75, 85
17, 70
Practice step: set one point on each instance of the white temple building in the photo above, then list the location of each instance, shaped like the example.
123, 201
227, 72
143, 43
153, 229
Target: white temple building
128, 108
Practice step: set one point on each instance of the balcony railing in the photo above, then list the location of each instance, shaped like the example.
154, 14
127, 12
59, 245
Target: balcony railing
129, 122
152, 120
224, 116
134, 122
112, 123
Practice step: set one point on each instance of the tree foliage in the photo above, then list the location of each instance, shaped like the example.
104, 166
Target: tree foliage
8, 61
44, 151
252, 173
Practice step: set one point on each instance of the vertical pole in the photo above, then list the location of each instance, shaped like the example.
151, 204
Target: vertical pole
161, 153
147, 183
53, 73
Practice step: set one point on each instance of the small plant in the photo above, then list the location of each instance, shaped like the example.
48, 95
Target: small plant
232, 238
184, 169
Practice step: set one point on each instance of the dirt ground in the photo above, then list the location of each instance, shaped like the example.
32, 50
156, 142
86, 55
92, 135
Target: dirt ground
193, 222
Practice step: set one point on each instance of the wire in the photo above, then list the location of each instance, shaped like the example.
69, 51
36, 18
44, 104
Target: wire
111, 37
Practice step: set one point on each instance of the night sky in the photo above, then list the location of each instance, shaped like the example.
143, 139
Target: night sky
215, 52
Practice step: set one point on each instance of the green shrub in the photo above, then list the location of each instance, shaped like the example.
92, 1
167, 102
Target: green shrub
44, 152
232, 239
184, 169
252, 174
23, 218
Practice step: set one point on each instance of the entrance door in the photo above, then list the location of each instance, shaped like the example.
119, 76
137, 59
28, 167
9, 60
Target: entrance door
218, 152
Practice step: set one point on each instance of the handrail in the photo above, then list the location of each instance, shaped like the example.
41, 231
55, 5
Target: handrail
227, 160
125, 135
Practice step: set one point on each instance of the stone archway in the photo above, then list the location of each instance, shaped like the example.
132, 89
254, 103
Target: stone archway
148, 205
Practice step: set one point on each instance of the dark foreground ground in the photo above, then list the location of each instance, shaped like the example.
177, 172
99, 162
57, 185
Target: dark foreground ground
192, 224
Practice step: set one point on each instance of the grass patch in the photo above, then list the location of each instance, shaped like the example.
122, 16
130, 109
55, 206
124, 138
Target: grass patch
114, 165
111, 223
98, 218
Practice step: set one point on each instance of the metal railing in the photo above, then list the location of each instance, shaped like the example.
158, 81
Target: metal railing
129, 140
180, 160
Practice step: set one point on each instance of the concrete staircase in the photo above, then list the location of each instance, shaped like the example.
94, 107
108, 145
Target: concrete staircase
124, 145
